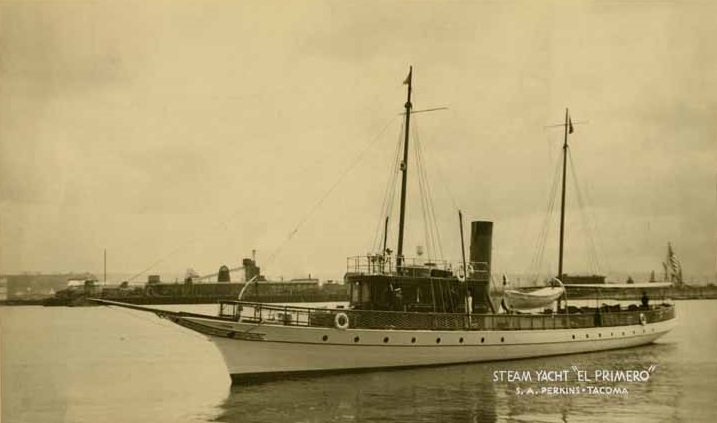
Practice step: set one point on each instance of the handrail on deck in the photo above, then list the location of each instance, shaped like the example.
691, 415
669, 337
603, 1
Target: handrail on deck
384, 264
369, 319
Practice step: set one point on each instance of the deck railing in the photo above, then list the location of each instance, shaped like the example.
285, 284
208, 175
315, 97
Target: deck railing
365, 319
382, 264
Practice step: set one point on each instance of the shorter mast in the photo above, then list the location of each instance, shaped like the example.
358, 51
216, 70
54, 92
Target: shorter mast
568, 129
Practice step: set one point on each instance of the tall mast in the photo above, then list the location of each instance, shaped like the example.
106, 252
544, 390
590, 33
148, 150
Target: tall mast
404, 170
568, 129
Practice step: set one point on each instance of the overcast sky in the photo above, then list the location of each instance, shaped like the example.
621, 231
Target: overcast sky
185, 134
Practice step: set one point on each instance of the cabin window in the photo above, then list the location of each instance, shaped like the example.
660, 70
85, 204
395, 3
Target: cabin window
355, 292
365, 292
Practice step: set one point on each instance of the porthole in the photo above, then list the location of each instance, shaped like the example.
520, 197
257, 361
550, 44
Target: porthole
460, 340
599, 335
612, 334
573, 336
438, 340
385, 340
587, 335
502, 339
482, 340
325, 338
623, 334
413, 340
633, 332
356, 339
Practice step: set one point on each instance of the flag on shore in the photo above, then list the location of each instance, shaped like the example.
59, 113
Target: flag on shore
673, 268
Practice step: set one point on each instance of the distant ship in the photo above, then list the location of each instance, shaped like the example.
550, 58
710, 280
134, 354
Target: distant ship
413, 312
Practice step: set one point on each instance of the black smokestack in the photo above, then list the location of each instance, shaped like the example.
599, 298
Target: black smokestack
481, 248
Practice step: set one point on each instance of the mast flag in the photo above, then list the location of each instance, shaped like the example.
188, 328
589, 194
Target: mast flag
407, 81
570, 125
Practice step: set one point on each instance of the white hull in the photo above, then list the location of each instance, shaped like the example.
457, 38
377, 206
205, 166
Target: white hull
262, 351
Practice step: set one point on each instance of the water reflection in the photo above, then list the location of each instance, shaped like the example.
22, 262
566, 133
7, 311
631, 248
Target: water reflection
454, 393
464, 393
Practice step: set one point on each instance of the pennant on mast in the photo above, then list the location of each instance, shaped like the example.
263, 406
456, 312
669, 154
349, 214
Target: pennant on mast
407, 81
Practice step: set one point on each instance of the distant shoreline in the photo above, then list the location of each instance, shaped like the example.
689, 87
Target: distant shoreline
708, 292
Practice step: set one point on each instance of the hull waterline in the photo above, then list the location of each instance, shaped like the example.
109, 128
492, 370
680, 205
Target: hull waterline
255, 352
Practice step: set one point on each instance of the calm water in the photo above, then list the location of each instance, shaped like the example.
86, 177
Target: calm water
109, 365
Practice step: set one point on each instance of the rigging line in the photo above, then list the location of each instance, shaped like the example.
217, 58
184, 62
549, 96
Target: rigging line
432, 212
151, 266
429, 202
602, 257
382, 225
426, 230
552, 206
429, 217
228, 219
434, 220
422, 197
392, 182
389, 193
562, 125
391, 206
156, 321
190, 242
433, 109
330, 190
432, 209
588, 224
540, 239
448, 189
424, 201
537, 262
195, 239
581, 208
590, 245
